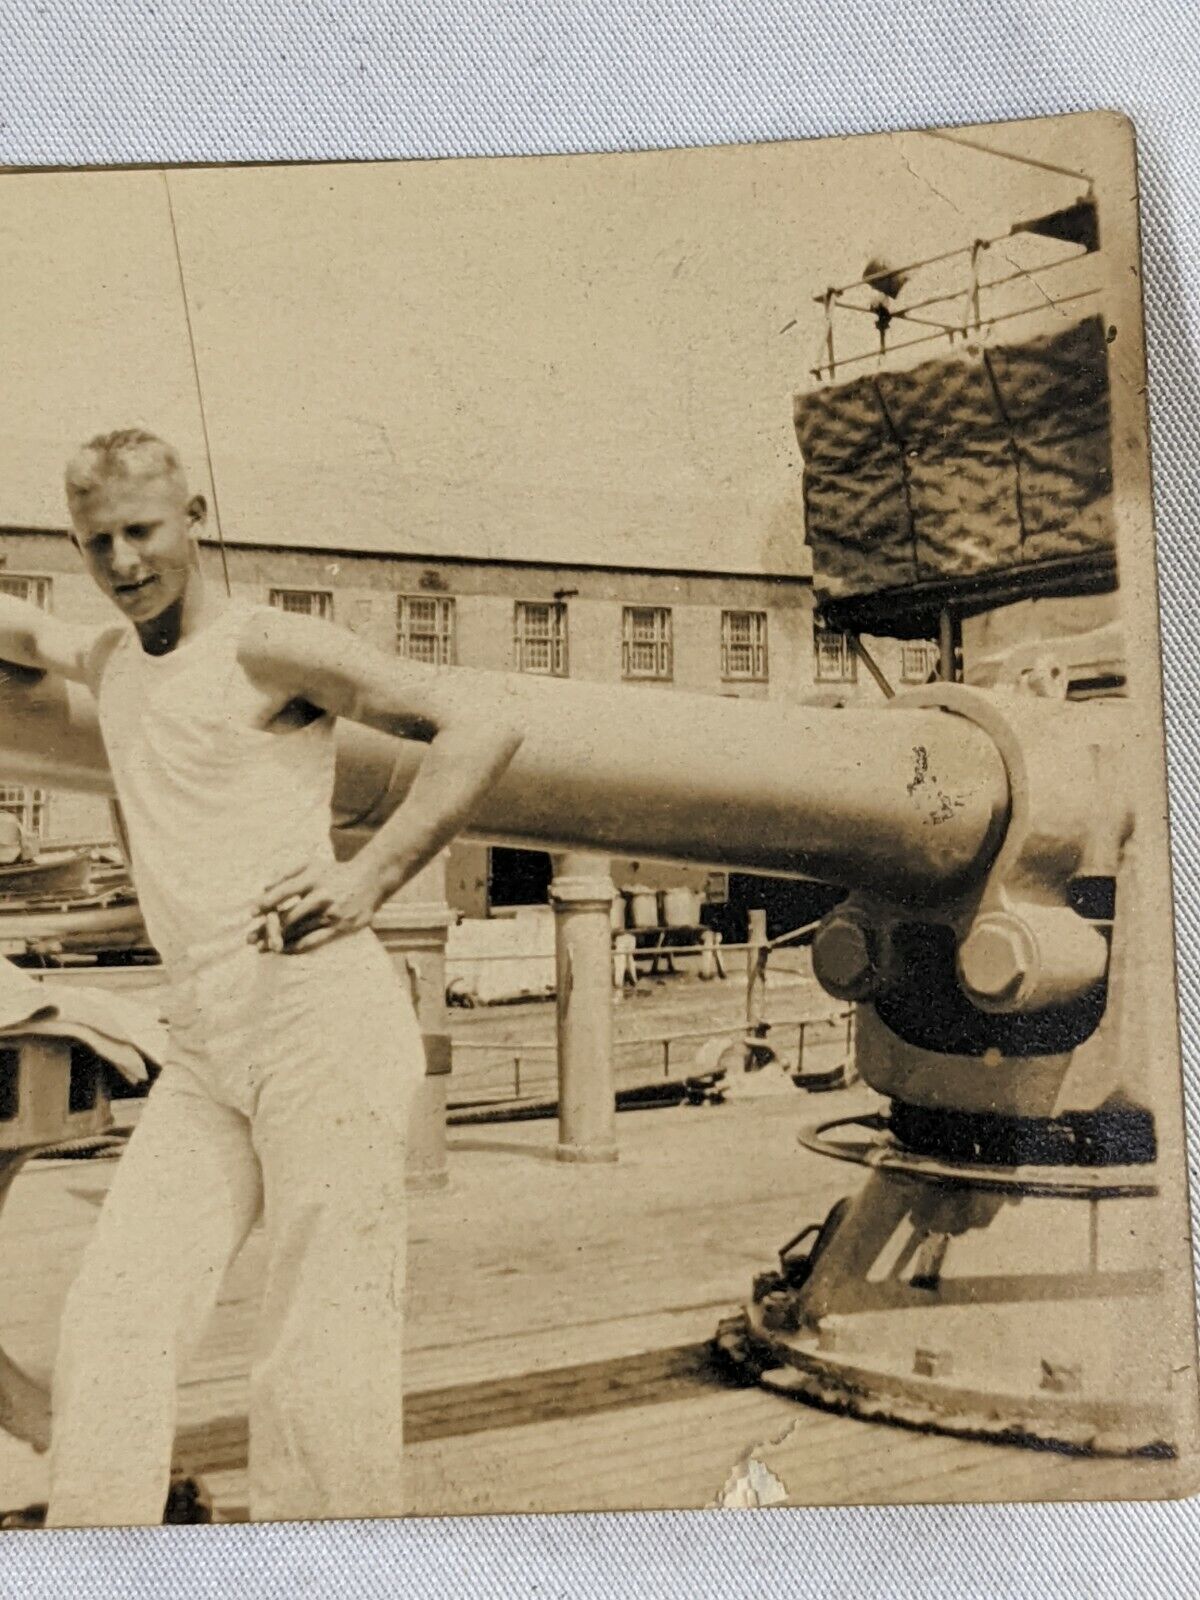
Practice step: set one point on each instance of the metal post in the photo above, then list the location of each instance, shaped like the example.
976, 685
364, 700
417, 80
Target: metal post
582, 895
830, 297
756, 972
949, 645
413, 927
973, 300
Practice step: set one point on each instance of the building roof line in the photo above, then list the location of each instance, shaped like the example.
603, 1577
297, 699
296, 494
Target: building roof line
525, 563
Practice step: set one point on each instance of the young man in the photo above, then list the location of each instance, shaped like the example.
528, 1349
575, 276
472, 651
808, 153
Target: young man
294, 1049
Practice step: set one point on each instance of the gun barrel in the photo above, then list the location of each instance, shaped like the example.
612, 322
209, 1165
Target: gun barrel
907, 801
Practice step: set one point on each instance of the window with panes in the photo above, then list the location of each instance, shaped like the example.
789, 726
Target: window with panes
31, 807
22, 587
540, 637
744, 645
918, 660
425, 628
836, 661
304, 602
646, 642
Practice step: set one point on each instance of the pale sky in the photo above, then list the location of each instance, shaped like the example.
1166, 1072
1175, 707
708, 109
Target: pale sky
564, 358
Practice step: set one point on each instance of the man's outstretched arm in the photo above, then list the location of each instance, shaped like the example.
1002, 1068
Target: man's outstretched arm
31, 637
469, 748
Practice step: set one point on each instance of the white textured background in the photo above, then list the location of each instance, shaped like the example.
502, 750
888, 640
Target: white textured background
194, 80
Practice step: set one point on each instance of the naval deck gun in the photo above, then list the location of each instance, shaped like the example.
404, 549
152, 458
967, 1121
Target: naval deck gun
999, 1270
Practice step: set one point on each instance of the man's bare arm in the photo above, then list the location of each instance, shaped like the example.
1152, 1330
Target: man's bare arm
31, 637
470, 746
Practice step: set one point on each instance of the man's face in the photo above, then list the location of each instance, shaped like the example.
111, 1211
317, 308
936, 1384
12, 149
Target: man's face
136, 537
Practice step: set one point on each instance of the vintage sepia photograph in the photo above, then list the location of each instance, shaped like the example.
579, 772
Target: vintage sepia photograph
585, 904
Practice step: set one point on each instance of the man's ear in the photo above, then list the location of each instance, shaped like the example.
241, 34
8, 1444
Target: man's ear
197, 510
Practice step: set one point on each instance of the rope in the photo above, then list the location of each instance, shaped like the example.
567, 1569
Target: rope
1007, 155
187, 314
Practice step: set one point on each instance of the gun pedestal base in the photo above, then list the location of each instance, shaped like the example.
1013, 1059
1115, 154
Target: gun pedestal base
1016, 1304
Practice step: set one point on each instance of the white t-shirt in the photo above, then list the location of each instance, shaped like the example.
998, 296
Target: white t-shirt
215, 807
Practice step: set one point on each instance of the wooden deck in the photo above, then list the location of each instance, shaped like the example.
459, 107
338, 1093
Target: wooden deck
557, 1322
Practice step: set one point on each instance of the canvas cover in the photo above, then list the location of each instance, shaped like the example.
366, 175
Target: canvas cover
987, 459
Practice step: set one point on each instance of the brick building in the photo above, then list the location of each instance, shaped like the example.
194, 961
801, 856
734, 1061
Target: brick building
741, 635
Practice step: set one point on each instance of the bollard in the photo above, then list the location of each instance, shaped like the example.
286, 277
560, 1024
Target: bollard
413, 926
581, 895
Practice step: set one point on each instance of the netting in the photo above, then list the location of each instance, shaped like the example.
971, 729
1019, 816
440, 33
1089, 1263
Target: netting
984, 460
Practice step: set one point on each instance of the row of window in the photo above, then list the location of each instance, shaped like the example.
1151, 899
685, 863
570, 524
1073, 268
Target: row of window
425, 631
837, 659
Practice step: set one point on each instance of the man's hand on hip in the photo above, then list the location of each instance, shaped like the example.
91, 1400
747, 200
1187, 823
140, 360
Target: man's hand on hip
314, 904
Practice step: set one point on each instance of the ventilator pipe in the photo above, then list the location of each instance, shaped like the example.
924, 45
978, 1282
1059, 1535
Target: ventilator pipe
910, 803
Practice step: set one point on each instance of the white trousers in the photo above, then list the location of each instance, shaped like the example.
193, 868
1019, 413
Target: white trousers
285, 1098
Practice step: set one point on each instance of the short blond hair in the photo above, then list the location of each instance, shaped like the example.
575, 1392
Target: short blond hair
125, 453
